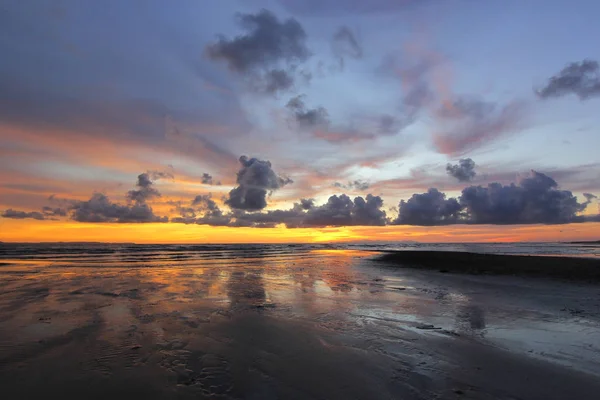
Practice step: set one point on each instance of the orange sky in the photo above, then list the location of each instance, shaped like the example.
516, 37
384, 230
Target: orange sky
42, 231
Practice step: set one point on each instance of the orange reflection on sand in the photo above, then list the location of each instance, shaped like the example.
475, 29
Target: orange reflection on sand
341, 252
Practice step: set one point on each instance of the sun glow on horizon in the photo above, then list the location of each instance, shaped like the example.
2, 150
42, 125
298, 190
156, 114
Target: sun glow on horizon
65, 231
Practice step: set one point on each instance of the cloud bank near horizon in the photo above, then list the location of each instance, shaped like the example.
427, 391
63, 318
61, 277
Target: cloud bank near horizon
533, 199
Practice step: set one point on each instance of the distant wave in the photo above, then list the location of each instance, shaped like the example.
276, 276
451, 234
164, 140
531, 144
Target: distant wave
148, 255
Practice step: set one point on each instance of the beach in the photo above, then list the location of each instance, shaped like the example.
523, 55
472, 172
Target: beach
566, 268
289, 322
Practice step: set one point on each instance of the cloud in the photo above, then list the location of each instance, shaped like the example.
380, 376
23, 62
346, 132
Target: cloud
291, 218
99, 208
14, 214
589, 198
579, 78
307, 118
472, 123
268, 53
205, 203
353, 185
207, 179
317, 122
417, 94
390, 125
273, 81
431, 208
343, 211
203, 210
534, 199
255, 180
54, 211
156, 175
145, 191
338, 211
464, 171
461, 123
373, 126
307, 204
344, 45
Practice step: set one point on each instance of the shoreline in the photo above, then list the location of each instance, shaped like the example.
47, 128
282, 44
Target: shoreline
556, 267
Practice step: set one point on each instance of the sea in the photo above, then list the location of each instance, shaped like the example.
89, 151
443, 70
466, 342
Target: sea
187, 254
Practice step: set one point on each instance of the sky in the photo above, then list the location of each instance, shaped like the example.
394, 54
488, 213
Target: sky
299, 120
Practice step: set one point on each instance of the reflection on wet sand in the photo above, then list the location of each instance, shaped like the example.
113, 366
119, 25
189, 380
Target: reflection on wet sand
471, 318
278, 322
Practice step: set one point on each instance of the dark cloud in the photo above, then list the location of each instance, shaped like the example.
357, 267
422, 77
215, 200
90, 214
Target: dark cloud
47, 212
207, 179
431, 208
204, 202
469, 123
156, 175
99, 208
316, 121
291, 218
353, 185
267, 54
256, 179
589, 197
203, 210
338, 211
342, 211
535, 199
145, 191
579, 78
14, 214
274, 81
307, 204
464, 171
345, 45
307, 118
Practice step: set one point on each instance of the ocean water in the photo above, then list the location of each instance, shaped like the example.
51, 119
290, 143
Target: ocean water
288, 321
162, 254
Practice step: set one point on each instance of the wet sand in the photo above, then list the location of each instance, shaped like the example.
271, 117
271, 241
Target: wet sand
569, 268
290, 325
